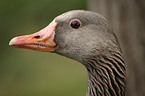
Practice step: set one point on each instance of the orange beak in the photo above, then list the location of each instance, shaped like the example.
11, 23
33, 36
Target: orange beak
40, 41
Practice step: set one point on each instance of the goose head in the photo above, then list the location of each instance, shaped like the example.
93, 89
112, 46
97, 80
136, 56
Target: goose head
76, 34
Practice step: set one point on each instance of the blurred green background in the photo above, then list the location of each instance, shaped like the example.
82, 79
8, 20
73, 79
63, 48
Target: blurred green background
30, 73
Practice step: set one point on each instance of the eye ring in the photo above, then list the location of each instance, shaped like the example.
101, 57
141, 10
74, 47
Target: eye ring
75, 24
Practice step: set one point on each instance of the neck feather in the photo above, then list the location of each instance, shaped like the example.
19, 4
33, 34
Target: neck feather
106, 75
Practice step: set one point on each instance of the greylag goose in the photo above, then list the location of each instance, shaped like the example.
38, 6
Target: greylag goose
87, 37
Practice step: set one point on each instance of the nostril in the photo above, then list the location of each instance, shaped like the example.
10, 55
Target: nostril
36, 37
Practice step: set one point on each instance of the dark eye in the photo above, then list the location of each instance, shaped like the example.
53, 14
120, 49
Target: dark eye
75, 23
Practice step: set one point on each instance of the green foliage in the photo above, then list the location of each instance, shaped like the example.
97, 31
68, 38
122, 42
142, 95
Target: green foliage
32, 73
